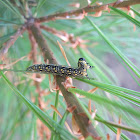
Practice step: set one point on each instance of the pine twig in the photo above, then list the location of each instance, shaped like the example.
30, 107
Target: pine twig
87, 9
13, 39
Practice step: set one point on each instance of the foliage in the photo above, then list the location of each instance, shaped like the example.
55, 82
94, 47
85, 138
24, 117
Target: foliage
93, 38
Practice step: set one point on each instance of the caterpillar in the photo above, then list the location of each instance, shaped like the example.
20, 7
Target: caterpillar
80, 71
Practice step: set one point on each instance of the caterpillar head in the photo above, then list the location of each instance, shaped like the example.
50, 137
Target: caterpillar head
83, 64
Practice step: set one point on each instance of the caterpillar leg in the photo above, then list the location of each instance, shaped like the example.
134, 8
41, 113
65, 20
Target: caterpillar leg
87, 77
90, 67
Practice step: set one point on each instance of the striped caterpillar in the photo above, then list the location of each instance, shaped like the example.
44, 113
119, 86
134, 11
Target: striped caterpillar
80, 71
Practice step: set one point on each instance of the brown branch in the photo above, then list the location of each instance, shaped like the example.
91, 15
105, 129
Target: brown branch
126, 3
9, 43
87, 9
86, 128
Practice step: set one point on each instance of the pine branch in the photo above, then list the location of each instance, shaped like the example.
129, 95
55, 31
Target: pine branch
87, 9
86, 128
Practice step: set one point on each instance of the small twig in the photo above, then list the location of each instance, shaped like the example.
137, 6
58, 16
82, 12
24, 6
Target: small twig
61, 34
125, 3
9, 43
119, 130
87, 9
63, 53
13, 63
74, 41
67, 125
